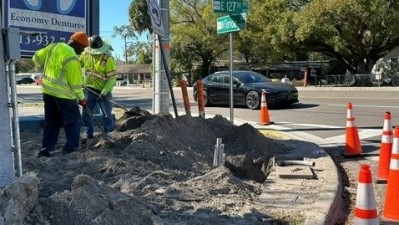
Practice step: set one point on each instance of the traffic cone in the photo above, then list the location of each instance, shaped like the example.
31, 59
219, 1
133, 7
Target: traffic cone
264, 112
391, 206
365, 211
353, 147
385, 150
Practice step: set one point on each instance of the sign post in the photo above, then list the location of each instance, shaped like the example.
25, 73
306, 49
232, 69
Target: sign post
158, 27
234, 21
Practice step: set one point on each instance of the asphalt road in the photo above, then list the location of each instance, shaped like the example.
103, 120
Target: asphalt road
321, 110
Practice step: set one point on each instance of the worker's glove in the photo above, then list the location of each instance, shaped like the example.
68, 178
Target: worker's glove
83, 103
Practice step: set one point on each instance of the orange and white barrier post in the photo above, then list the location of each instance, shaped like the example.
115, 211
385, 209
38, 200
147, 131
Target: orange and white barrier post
352, 147
201, 98
391, 206
187, 108
365, 211
385, 150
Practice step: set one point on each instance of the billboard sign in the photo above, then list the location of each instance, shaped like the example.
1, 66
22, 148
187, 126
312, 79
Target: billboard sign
52, 20
156, 17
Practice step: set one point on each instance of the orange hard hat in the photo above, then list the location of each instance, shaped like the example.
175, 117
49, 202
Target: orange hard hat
81, 38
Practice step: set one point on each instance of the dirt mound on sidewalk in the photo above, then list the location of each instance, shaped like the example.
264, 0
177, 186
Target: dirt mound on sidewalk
158, 172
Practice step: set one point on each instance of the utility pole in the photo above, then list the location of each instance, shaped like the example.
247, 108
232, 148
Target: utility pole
160, 81
125, 37
7, 168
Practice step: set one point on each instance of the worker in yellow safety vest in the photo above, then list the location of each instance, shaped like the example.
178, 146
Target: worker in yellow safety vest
100, 79
62, 89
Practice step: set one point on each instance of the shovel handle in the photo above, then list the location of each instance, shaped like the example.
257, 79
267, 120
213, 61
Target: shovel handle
116, 103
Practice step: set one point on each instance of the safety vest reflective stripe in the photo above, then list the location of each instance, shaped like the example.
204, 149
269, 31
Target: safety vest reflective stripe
64, 88
70, 59
104, 58
100, 76
66, 92
60, 79
96, 75
111, 74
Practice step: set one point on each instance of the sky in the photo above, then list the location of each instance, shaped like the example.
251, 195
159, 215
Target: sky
114, 13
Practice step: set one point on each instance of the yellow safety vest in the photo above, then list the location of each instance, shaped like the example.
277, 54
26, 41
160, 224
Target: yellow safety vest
100, 71
62, 74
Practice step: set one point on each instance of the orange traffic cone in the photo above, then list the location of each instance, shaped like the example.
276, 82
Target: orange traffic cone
366, 211
391, 206
385, 150
352, 147
264, 112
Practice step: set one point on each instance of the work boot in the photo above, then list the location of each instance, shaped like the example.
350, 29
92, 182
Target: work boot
44, 152
66, 151
85, 139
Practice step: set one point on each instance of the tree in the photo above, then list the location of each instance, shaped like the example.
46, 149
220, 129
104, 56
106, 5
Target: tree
355, 33
138, 16
126, 32
193, 29
142, 51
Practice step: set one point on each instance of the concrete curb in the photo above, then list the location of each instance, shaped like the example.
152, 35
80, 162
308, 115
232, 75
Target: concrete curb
327, 209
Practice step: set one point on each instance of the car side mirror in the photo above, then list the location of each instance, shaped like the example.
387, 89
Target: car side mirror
236, 83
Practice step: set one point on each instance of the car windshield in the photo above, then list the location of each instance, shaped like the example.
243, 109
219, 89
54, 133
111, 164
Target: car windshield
251, 77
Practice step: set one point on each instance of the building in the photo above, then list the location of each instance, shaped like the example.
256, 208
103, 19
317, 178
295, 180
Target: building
134, 74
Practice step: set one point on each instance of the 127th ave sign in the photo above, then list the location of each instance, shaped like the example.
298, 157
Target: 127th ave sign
231, 23
230, 6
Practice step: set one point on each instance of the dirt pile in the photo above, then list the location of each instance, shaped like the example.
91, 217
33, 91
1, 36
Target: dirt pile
158, 172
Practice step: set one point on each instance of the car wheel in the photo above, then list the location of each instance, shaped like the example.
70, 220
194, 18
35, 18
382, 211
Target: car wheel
252, 100
124, 84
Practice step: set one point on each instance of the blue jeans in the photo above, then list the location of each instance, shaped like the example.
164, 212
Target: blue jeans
106, 109
59, 113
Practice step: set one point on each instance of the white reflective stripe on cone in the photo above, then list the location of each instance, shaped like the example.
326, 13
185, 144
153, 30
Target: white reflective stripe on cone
359, 221
368, 200
350, 123
394, 164
387, 139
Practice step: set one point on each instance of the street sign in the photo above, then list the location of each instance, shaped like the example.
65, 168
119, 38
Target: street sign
54, 21
156, 18
231, 23
230, 6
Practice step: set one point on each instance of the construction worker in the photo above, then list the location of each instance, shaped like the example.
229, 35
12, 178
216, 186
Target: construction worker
100, 79
62, 88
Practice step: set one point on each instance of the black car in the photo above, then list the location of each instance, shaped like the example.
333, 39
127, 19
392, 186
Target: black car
26, 80
247, 90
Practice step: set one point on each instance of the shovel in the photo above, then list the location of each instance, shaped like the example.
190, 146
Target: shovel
116, 103
103, 134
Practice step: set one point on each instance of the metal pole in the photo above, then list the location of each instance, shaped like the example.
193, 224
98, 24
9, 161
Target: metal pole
231, 78
15, 120
165, 66
161, 95
7, 170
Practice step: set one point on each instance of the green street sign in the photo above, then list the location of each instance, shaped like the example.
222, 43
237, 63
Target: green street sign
230, 6
231, 23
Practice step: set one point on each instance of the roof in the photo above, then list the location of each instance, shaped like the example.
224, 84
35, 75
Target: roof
134, 68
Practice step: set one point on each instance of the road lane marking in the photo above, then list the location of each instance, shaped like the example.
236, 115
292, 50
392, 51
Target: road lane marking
368, 106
